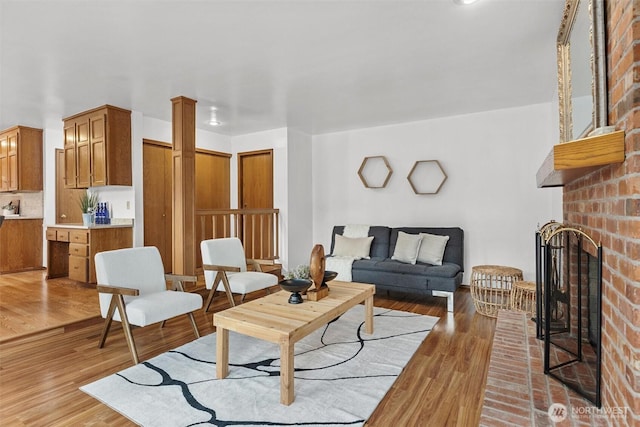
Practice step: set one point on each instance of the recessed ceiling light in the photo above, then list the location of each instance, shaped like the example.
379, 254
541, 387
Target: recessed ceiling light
213, 118
464, 2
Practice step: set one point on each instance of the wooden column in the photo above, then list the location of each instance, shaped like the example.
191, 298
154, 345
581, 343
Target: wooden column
183, 190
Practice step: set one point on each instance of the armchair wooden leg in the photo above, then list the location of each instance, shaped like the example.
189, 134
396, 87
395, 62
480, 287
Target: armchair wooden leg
209, 299
227, 289
193, 324
127, 328
212, 291
107, 322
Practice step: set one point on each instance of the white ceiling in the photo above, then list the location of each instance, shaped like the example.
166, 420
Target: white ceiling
319, 66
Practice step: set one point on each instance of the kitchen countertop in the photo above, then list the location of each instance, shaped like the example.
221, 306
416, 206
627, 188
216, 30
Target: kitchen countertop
7, 217
90, 227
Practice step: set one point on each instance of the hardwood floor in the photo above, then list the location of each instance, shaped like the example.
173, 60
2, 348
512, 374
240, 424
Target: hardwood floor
30, 304
443, 384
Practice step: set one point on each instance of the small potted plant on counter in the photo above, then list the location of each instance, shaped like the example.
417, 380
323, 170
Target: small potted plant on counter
88, 204
8, 209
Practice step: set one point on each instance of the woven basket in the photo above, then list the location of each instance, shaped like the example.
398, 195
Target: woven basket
491, 287
523, 297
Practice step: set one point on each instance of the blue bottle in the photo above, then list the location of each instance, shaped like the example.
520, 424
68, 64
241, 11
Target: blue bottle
107, 217
96, 215
100, 214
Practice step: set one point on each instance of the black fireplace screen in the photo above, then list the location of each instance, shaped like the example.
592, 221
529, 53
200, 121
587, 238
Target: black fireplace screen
568, 312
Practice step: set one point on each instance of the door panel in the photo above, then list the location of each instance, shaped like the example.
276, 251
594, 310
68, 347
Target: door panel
4, 163
83, 156
156, 179
67, 199
98, 150
255, 187
212, 191
69, 174
13, 161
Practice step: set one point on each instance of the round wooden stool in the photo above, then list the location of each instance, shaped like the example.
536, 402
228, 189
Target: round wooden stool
523, 297
491, 287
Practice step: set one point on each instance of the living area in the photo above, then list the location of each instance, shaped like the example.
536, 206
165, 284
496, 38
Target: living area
490, 159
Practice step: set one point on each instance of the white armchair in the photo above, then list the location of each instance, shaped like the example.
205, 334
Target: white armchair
225, 269
133, 281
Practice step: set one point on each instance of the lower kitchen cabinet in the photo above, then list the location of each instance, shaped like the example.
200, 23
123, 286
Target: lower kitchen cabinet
20, 245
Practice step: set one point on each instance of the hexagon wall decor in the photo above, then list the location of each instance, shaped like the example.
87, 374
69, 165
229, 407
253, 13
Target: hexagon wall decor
375, 172
426, 177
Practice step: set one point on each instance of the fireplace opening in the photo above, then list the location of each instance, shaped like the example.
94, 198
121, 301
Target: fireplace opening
568, 315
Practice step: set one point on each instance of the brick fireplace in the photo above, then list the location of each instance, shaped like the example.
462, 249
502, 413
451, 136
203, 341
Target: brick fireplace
606, 205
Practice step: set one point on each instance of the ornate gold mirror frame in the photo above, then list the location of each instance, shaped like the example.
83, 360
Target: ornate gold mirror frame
582, 30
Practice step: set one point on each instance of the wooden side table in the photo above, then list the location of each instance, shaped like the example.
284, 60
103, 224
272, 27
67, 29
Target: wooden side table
523, 297
491, 287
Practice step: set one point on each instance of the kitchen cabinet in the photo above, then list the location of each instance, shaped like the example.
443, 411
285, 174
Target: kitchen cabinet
67, 199
20, 245
97, 148
72, 249
21, 159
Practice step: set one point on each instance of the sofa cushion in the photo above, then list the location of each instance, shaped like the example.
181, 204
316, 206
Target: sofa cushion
415, 282
379, 245
397, 267
407, 247
454, 251
357, 247
432, 248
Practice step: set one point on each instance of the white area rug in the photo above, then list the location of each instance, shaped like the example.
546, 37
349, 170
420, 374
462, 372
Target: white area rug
341, 374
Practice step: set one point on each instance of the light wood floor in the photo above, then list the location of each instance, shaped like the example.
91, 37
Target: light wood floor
40, 372
30, 304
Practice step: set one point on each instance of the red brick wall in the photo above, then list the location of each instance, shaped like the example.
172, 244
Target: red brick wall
606, 204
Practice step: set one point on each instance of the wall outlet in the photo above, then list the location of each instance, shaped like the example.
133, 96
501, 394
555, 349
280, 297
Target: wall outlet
128, 205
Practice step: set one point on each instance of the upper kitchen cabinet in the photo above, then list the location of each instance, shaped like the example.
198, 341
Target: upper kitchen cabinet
97, 148
21, 159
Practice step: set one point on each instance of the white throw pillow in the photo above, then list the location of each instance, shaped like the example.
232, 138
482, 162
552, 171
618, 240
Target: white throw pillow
432, 248
407, 247
358, 247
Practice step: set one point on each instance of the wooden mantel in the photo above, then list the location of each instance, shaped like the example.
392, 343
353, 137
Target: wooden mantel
572, 160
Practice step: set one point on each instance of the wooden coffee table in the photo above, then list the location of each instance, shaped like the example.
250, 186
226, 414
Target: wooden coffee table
273, 319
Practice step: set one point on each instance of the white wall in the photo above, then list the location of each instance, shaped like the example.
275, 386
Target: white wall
52, 138
300, 207
491, 160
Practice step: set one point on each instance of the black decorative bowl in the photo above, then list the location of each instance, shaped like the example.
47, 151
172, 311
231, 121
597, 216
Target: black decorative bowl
329, 276
295, 286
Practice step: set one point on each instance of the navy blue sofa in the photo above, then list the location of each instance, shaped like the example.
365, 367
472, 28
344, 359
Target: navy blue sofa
420, 278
